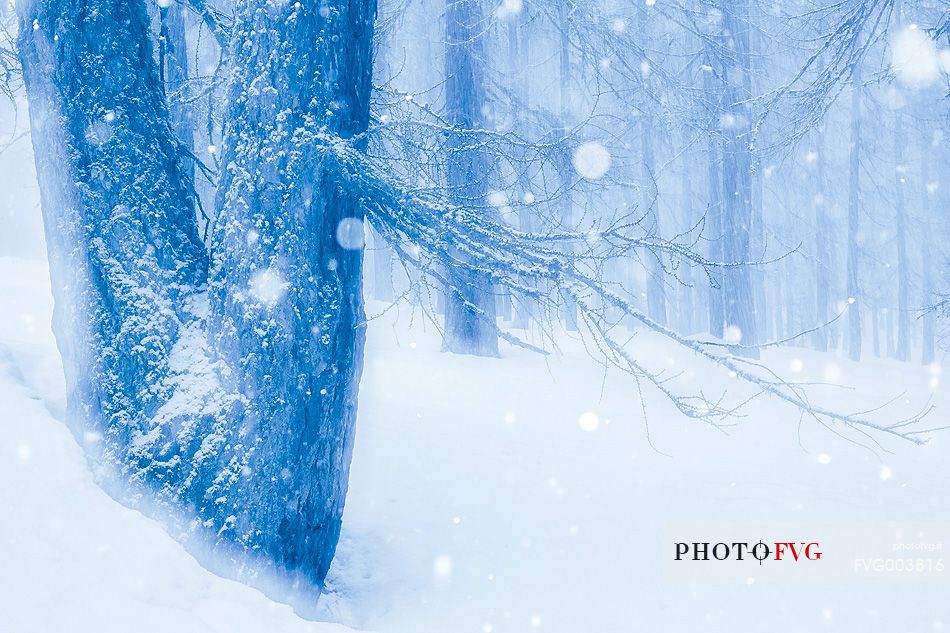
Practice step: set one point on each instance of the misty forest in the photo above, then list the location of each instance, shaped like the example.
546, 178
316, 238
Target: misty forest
736, 209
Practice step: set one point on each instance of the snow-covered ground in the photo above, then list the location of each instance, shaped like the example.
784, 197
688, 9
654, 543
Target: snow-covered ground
487, 495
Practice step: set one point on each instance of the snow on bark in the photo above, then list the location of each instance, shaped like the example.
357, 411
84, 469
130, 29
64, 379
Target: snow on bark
237, 410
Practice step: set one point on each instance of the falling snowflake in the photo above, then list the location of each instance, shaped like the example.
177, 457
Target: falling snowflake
914, 58
592, 160
732, 335
588, 422
442, 566
497, 199
509, 8
349, 234
268, 287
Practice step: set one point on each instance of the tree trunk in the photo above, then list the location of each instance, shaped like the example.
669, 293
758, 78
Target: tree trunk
854, 219
251, 448
903, 272
927, 298
564, 164
739, 302
876, 330
123, 247
823, 274
650, 194
757, 230
713, 232
382, 255
687, 308
470, 312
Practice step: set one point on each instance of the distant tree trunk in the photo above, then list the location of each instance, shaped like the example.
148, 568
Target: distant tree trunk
823, 273
650, 194
757, 230
564, 161
889, 333
687, 302
903, 272
778, 303
382, 255
526, 308
714, 213
762, 325
470, 314
927, 299
739, 302
876, 330
854, 219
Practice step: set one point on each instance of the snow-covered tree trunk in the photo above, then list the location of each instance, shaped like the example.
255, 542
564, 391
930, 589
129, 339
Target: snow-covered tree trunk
123, 246
470, 311
285, 283
226, 386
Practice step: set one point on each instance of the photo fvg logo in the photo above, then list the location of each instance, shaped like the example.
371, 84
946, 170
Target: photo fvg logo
761, 551
803, 553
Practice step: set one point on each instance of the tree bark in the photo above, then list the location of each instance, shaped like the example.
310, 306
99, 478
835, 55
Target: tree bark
251, 449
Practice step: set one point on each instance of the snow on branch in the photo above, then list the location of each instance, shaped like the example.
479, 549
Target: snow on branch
436, 236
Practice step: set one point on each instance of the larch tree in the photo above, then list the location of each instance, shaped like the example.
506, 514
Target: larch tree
255, 439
